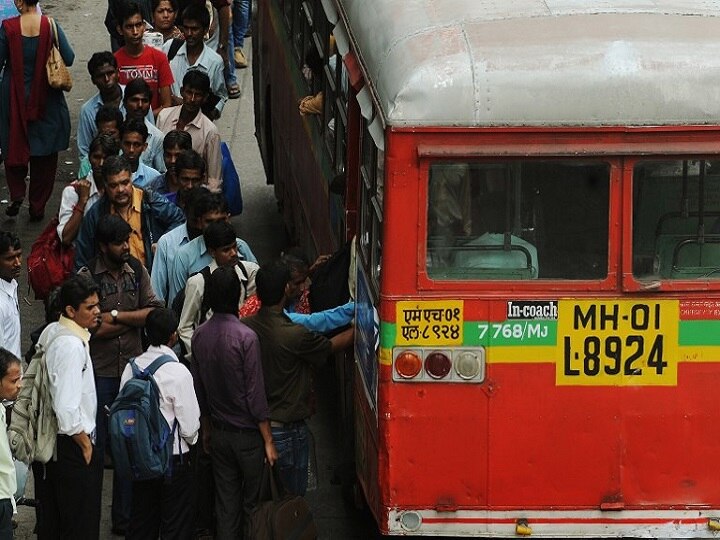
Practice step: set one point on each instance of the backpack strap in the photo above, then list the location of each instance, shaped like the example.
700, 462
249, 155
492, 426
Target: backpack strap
205, 305
157, 363
174, 48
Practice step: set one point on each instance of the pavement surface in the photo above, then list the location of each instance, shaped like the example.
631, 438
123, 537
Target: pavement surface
260, 225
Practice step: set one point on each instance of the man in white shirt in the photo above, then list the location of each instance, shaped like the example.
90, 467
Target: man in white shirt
68, 489
189, 117
163, 507
10, 265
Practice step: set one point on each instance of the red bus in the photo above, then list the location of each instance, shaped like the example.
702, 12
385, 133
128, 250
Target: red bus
534, 189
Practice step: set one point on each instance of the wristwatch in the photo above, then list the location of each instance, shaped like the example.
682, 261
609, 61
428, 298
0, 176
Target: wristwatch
114, 314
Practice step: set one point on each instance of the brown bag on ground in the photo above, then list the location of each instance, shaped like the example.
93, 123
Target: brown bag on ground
278, 514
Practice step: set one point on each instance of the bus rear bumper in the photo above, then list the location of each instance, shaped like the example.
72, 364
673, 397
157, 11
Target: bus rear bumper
703, 523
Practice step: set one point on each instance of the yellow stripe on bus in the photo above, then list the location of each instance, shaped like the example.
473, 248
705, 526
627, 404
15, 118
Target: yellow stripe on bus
699, 353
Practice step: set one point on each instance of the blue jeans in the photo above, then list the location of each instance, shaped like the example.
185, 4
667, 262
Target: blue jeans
107, 389
241, 19
293, 450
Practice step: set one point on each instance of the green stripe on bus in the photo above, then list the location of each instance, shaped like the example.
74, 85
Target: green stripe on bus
699, 333
508, 333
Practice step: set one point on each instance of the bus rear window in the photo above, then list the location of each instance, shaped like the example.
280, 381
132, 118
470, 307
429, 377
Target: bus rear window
676, 220
518, 220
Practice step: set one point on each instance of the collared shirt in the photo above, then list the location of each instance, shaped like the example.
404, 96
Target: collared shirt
228, 372
8, 480
193, 257
205, 141
289, 354
153, 155
87, 129
71, 379
137, 246
177, 395
167, 247
195, 291
144, 176
126, 292
10, 317
70, 198
209, 62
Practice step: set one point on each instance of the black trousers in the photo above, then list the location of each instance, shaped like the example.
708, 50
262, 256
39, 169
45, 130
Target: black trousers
69, 494
237, 460
6, 513
164, 508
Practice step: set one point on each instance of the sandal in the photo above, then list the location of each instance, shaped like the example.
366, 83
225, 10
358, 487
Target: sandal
13, 209
234, 91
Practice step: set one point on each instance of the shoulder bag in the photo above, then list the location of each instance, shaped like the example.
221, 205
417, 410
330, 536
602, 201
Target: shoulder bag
57, 72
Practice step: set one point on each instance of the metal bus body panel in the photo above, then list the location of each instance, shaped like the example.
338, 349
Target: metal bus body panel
474, 458
539, 63
296, 170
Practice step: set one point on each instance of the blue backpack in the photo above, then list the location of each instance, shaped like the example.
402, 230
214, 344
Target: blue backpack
140, 437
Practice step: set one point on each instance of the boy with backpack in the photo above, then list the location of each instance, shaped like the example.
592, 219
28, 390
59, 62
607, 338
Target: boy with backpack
162, 496
220, 239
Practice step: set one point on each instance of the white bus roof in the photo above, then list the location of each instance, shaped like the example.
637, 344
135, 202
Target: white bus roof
540, 62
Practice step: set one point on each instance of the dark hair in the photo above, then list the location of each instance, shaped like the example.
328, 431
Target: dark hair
177, 137
210, 202
53, 309
197, 80
99, 59
106, 143
189, 198
271, 281
111, 228
108, 113
160, 324
114, 165
135, 87
134, 125
6, 360
295, 260
190, 159
76, 290
219, 234
197, 13
127, 10
8, 240
156, 3
223, 290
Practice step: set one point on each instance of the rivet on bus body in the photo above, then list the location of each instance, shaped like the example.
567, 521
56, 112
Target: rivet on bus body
522, 528
410, 521
714, 524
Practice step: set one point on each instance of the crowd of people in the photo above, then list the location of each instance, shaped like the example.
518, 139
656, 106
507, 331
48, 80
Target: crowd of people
159, 271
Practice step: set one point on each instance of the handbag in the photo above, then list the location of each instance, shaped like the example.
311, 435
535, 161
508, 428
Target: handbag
57, 72
49, 263
280, 515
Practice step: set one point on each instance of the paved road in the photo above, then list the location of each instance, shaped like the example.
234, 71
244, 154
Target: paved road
259, 224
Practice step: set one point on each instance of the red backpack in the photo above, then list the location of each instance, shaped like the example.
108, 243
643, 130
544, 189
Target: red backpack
49, 262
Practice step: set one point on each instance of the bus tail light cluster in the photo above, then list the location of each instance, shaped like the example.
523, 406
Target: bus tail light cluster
457, 364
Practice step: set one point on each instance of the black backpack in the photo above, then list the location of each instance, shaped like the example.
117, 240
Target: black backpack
329, 286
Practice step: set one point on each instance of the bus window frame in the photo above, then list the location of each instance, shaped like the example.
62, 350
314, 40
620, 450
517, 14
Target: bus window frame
608, 283
629, 282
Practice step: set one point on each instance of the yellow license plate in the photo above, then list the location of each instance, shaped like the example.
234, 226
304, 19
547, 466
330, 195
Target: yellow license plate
617, 343
429, 322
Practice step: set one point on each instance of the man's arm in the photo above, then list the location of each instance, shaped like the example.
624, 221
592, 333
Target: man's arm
327, 320
213, 159
185, 405
190, 315
85, 241
343, 340
159, 277
85, 131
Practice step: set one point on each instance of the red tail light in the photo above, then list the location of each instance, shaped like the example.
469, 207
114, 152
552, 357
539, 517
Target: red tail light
437, 365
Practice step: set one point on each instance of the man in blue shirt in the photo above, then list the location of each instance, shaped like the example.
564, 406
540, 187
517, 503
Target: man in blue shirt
175, 143
136, 100
133, 141
194, 256
103, 70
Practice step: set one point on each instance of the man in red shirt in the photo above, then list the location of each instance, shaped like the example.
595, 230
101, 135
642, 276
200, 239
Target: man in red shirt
135, 60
